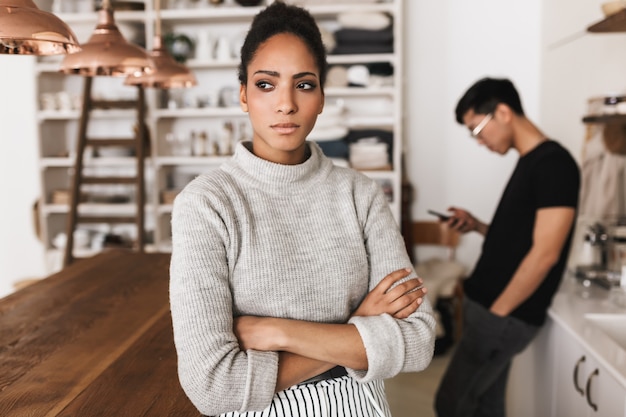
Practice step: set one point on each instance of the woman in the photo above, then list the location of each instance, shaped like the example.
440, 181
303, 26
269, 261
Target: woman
277, 292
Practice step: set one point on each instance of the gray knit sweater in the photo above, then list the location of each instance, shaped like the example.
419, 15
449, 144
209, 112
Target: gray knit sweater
305, 242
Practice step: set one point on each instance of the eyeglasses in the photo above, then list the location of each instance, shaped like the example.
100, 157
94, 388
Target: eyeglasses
480, 126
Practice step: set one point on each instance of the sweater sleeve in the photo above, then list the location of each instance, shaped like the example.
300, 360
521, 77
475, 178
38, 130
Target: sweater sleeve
392, 345
215, 374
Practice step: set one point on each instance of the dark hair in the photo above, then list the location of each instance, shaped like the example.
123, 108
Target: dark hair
486, 94
280, 18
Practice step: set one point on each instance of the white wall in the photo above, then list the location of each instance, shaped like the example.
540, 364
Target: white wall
450, 45
590, 64
21, 254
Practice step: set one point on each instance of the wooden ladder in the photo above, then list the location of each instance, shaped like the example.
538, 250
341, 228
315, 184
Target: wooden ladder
138, 142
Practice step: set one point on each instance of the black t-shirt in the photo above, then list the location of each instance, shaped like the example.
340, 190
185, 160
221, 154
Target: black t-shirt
547, 176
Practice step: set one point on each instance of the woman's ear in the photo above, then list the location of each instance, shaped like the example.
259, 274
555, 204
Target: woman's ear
243, 100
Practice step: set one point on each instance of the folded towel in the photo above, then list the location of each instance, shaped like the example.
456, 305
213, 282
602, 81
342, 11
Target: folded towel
364, 20
328, 133
367, 154
384, 136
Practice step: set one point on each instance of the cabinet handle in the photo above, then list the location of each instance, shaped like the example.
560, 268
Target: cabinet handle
576, 387
592, 405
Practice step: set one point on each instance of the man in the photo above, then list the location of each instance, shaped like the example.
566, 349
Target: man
523, 255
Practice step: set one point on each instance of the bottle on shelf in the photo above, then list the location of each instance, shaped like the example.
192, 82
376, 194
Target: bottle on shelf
226, 138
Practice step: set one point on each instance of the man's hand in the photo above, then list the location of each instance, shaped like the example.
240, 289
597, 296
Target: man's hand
400, 301
463, 221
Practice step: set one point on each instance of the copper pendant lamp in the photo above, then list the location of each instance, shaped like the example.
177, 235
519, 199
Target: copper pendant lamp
166, 72
107, 52
27, 30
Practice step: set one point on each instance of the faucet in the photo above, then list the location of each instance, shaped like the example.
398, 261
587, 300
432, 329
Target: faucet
598, 238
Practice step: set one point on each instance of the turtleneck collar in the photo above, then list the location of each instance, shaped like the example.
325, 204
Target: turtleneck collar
278, 177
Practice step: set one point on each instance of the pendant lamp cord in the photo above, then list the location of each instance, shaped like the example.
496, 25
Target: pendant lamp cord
157, 8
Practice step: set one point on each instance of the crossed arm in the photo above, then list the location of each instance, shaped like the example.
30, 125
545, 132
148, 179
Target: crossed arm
309, 348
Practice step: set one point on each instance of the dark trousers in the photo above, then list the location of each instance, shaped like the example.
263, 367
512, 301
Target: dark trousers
474, 385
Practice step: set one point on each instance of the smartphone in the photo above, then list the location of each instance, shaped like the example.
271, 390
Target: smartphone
442, 217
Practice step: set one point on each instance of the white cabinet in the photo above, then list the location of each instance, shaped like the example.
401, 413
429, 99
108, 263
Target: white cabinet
557, 376
209, 110
582, 386
530, 387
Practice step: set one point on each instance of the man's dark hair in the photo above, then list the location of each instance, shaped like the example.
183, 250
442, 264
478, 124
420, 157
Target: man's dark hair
486, 94
280, 18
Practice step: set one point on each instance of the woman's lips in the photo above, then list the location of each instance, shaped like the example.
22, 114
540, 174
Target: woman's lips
285, 128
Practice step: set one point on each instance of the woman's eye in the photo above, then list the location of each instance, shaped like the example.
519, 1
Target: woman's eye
264, 85
306, 85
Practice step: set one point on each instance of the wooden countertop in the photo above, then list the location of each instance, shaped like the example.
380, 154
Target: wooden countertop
92, 340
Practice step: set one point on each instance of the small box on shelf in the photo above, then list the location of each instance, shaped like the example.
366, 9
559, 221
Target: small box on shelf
168, 196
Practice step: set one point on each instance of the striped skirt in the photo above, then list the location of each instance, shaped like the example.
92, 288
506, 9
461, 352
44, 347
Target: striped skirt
337, 397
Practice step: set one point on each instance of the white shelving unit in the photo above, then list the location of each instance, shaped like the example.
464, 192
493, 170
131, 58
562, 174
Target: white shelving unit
177, 113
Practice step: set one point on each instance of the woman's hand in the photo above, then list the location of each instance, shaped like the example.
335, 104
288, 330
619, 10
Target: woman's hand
400, 301
255, 333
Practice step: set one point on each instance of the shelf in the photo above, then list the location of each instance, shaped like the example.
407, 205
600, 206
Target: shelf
191, 160
100, 161
359, 92
364, 120
379, 174
612, 24
349, 59
165, 208
87, 252
324, 10
245, 14
44, 115
119, 209
605, 118
199, 112
220, 14
343, 59
213, 64
369, 121
56, 162
92, 17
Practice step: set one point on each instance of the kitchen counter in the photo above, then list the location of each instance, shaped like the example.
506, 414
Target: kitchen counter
569, 307
92, 340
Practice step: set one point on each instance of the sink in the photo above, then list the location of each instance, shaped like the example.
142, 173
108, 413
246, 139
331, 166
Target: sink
613, 325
